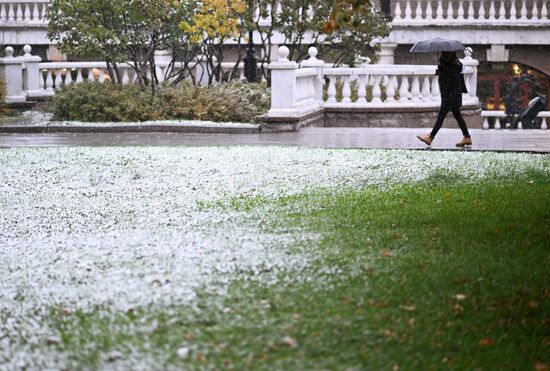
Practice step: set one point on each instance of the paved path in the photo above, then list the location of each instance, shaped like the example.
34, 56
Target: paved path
391, 138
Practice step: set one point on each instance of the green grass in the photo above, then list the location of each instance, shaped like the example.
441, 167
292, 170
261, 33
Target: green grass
437, 275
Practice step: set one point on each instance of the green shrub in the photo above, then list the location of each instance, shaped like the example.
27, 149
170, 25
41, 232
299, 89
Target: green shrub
94, 101
2, 96
86, 101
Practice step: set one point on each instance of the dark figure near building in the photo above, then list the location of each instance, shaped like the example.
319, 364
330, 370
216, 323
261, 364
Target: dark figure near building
451, 87
528, 115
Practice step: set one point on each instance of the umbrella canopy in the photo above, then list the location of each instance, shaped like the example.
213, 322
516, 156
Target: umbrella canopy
437, 45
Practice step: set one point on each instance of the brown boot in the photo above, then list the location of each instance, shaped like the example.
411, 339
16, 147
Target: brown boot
466, 141
425, 138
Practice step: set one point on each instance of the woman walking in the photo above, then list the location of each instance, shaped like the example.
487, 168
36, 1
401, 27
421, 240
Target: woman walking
451, 86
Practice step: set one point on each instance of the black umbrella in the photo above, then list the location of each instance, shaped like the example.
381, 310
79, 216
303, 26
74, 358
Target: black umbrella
437, 45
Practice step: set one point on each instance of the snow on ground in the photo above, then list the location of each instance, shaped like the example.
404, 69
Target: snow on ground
124, 227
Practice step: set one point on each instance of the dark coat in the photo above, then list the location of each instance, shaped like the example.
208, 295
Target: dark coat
451, 84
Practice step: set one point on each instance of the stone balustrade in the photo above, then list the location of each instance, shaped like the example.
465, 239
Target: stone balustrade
23, 12
496, 118
27, 77
370, 86
470, 12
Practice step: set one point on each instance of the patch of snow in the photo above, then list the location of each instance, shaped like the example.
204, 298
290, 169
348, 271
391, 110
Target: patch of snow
119, 228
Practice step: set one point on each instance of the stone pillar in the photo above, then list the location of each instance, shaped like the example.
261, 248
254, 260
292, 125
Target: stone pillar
386, 55
498, 53
283, 84
468, 61
163, 56
11, 72
54, 55
31, 73
202, 70
318, 65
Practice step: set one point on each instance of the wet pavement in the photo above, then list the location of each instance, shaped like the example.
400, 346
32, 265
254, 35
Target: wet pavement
389, 138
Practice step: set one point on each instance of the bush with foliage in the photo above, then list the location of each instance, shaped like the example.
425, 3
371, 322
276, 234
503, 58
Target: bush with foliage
2, 96
94, 101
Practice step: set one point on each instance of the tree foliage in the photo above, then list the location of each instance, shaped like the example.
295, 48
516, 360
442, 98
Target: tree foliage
198, 32
117, 31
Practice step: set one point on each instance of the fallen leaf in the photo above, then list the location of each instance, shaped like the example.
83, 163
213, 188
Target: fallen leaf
485, 342
64, 311
290, 341
409, 308
460, 296
540, 366
395, 368
533, 304
201, 357
346, 300
387, 253
53, 340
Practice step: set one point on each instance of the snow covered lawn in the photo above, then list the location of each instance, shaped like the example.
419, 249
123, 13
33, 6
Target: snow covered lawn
114, 229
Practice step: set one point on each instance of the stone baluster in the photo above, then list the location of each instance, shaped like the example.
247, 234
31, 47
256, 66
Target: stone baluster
49, 80
404, 89
35, 12
57, 82
241, 74
520, 125
435, 88
11, 13
439, 10
543, 124
27, 13
418, 10
450, 11
535, 10
3, 15
101, 77
513, 11
362, 90
390, 89
492, 11
68, 76
79, 77
523, 12
331, 90
398, 15
544, 11
126, 76
485, 123
19, 13
346, 90
429, 10
497, 123
481, 10
470, 12
408, 10
415, 89
460, 10
376, 92
44, 10
501, 13
426, 94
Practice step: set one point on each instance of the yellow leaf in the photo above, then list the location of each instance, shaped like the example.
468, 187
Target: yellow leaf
485, 342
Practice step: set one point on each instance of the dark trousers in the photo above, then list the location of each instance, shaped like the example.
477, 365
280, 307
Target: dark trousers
457, 115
